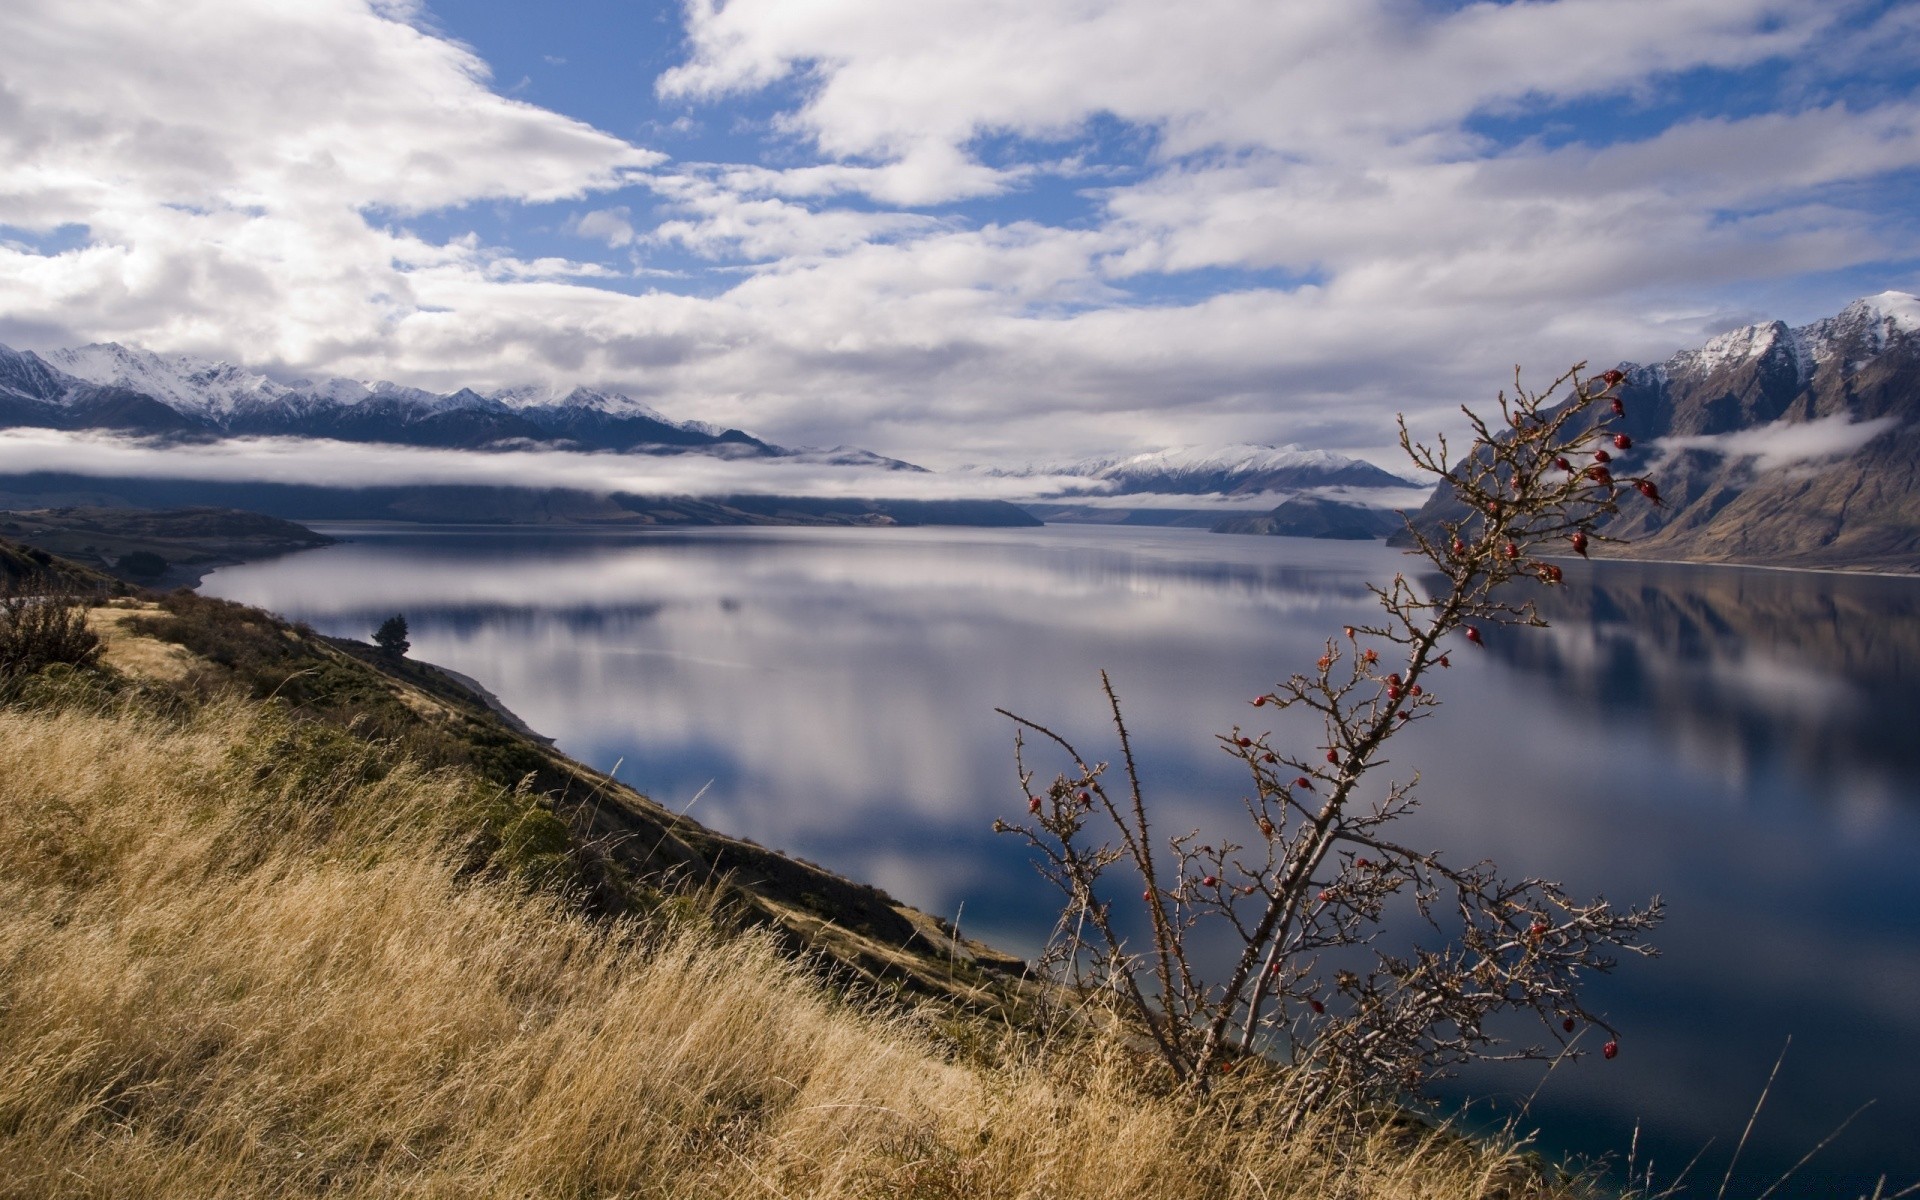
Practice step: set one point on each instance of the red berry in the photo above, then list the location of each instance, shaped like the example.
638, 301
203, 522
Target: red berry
1147, 895
1612, 379
1259, 701
1393, 695
1033, 805
1513, 551
1266, 827
1349, 633
1303, 782
1332, 756
1371, 656
1084, 798
1622, 442
1273, 968
1414, 690
1601, 456
1473, 635
1538, 929
1268, 757
1610, 1049
1317, 1006
1243, 743
1567, 1024
1563, 464
1362, 862
1493, 507
1619, 409
1646, 488
1459, 548
1404, 715
1208, 881
1445, 662
1579, 540
1325, 897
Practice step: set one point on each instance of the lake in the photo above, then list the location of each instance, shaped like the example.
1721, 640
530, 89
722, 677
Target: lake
1744, 742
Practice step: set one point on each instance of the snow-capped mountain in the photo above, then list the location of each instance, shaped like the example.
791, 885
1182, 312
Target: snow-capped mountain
1242, 470
1861, 330
1779, 445
110, 386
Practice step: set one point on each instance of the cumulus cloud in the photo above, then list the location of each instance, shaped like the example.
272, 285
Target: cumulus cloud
1786, 443
609, 225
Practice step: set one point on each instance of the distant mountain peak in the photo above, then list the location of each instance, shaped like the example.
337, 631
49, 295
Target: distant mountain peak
1862, 329
1240, 469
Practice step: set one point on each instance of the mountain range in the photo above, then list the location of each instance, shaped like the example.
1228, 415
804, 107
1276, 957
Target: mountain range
1772, 444
112, 387
1777, 445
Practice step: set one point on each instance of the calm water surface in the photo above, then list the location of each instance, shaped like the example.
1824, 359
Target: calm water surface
1744, 742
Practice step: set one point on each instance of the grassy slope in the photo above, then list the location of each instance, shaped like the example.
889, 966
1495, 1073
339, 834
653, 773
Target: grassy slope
253, 947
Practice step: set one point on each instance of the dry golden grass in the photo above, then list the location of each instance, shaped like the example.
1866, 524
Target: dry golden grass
242, 959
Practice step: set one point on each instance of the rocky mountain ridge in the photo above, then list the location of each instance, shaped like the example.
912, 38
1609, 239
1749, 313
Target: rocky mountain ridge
1777, 445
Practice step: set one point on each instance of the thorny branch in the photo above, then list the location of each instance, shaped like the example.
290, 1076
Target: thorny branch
1305, 898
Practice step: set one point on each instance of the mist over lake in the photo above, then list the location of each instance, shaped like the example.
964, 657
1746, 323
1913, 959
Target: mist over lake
1739, 741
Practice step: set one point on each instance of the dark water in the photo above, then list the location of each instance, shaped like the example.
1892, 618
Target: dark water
1744, 742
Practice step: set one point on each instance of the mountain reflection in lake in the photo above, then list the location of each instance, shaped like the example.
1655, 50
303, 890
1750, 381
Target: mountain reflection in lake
1743, 742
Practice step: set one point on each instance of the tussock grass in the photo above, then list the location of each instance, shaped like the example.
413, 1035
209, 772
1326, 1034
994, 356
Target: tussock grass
239, 957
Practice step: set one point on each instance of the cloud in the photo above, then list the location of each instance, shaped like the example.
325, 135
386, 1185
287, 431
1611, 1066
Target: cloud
229, 192
609, 225
1334, 78
1785, 443
114, 107
354, 465
728, 220
973, 231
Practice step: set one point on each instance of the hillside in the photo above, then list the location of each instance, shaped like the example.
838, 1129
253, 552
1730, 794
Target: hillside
159, 548
1306, 516
285, 917
1778, 446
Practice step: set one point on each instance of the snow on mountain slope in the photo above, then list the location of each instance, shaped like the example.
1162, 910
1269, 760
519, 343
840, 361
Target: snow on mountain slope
1196, 470
1861, 329
186, 384
221, 392
614, 404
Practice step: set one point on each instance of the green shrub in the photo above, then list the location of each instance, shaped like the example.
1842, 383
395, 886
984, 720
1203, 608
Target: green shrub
38, 631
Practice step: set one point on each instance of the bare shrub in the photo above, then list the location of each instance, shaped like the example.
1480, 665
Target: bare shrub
1305, 898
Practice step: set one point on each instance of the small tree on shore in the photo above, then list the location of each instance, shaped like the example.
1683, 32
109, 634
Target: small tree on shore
391, 637
1303, 898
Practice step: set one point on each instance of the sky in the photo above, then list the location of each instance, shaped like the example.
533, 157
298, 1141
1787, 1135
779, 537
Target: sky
956, 231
